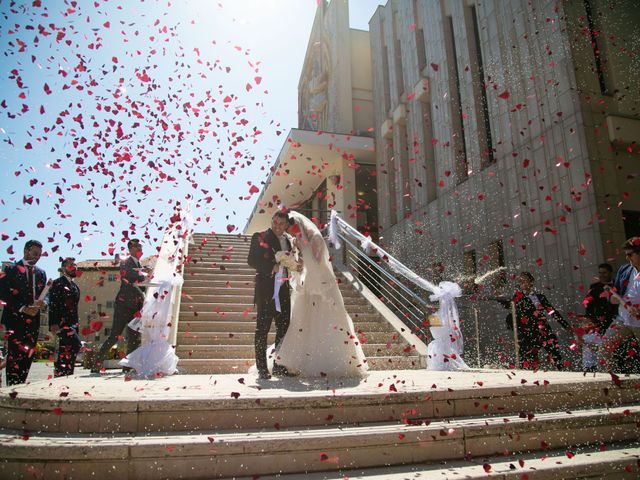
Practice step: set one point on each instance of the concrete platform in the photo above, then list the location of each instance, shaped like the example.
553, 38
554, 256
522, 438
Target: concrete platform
115, 386
219, 426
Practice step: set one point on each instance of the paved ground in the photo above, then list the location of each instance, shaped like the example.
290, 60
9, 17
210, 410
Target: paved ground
43, 371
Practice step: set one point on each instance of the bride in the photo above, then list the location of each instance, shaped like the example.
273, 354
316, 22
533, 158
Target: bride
321, 340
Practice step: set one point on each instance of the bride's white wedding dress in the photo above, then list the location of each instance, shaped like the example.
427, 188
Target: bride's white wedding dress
321, 340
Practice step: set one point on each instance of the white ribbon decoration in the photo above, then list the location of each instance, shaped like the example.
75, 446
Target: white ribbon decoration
333, 230
277, 283
444, 352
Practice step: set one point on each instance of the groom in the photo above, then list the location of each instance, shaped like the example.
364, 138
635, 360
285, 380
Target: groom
264, 246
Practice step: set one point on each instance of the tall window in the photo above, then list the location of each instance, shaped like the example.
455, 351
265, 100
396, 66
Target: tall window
397, 59
385, 69
631, 221
496, 260
470, 270
405, 183
455, 103
596, 46
428, 152
323, 204
480, 93
391, 182
419, 32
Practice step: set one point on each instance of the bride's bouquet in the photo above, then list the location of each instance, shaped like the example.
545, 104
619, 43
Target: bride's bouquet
287, 260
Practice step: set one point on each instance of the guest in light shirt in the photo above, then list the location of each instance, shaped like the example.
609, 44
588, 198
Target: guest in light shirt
626, 326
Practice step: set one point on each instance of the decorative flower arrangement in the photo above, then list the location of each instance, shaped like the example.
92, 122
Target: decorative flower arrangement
287, 260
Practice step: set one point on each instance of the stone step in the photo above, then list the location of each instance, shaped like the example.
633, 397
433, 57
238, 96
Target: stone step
237, 323
215, 259
215, 283
211, 272
363, 322
225, 297
220, 287
222, 236
214, 266
619, 461
199, 307
190, 337
227, 365
228, 351
205, 279
242, 303
216, 454
353, 305
357, 312
220, 338
223, 325
237, 254
216, 249
212, 241
215, 297
200, 402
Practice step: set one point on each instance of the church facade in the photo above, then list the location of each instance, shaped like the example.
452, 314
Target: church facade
506, 135
472, 137
328, 162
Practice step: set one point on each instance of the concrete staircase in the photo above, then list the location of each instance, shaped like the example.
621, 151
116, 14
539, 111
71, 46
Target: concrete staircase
217, 316
204, 427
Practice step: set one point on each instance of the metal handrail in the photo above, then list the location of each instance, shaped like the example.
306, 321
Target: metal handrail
405, 303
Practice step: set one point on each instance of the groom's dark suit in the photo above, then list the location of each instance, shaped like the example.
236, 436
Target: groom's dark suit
264, 246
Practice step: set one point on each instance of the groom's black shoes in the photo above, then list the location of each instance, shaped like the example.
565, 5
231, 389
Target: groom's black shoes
264, 375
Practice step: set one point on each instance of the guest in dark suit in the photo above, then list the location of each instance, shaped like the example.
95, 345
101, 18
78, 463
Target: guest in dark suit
128, 303
597, 306
599, 315
264, 246
64, 296
20, 287
534, 331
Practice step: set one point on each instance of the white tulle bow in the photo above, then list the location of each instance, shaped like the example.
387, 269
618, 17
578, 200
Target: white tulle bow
446, 291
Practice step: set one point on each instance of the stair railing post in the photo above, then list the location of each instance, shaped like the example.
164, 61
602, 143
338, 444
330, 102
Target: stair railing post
515, 333
475, 316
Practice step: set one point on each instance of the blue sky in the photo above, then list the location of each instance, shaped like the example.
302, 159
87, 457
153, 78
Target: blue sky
112, 111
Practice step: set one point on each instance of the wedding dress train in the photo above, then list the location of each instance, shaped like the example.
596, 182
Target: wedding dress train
321, 340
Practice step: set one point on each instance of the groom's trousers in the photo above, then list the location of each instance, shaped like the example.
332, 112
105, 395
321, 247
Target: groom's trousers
266, 314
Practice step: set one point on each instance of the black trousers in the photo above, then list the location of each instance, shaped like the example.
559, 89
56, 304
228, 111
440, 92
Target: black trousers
266, 315
68, 347
21, 346
532, 343
122, 315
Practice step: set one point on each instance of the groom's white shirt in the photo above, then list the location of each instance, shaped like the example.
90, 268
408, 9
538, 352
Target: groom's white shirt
284, 246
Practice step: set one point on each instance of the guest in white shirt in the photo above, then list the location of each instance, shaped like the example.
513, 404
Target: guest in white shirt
627, 323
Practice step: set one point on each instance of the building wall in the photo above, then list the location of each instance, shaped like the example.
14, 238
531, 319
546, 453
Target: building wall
604, 42
460, 176
361, 82
98, 289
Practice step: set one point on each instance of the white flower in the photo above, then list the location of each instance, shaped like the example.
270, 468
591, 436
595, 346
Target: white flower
287, 260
